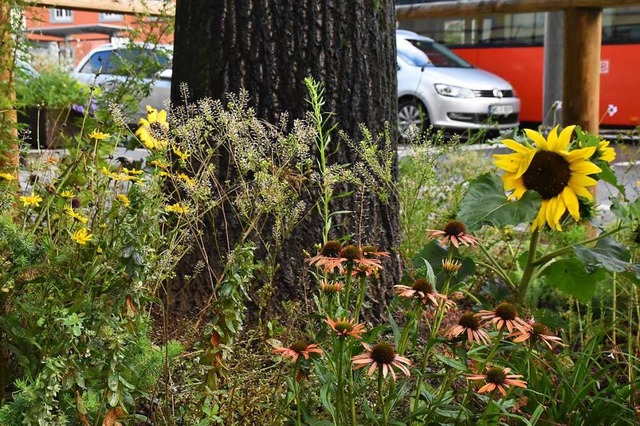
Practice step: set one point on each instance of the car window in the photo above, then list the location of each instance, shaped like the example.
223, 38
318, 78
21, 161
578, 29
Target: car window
409, 54
98, 62
140, 62
438, 55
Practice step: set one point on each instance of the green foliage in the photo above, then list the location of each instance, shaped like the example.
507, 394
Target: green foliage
53, 89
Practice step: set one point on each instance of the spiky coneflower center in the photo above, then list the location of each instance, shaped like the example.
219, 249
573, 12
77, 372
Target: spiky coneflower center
540, 329
496, 376
469, 320
351, 252
383, 353
506, 311
158, 130
548, 174
343, 327
455, 228
299, 346
451, 266
331, 249
422, 285
332, 288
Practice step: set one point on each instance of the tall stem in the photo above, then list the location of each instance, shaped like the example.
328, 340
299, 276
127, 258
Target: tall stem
340, 411
296, 393
529, 268
385, 421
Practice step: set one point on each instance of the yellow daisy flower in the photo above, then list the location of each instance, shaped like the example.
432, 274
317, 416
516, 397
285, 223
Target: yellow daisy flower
132, 171
159, 163
98, 135
31, 200
82, 236
67, 194
183, 155
560, 176
177, 208
7, 176
154, 130
605, 153
124, 200
188, 180
70, 212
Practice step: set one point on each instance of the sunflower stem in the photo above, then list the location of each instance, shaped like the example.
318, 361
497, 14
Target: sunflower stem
529, 268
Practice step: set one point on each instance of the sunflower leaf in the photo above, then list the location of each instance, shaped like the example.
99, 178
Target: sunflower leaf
610, 255
571, 276
485, 203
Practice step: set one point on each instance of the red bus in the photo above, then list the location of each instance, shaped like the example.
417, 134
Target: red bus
511, 46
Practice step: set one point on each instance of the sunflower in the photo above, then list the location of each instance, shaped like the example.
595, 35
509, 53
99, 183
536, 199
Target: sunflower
154, 130
560, 176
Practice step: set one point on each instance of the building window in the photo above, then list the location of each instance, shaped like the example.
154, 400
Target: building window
61, 15
110, 17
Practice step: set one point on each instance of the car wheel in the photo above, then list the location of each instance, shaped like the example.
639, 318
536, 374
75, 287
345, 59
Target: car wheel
412, 116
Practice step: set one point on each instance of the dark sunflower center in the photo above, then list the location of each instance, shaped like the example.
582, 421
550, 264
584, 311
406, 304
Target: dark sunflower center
331, 249
383, 353
548, 174
506, 311
540, 329
351, 252
469, 320
422, 285
344, 327
299, 346
455, 228
158, 130
496, 376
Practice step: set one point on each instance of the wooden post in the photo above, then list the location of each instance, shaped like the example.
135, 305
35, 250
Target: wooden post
581, 78
8, 117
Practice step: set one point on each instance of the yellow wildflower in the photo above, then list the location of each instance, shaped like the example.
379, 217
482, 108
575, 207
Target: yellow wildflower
159, 163
98, 135
154, 130
605, 153
7, 176
82, 236
132, 171
187, 179
177, 208
124, 200
67, 194
70, 212
183, 155
33, 199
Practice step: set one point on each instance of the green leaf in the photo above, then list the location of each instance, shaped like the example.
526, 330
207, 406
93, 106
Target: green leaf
571, 276
608, 254
485, 203
609, 176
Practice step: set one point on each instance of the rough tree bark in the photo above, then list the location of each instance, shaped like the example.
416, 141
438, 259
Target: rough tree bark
268, 47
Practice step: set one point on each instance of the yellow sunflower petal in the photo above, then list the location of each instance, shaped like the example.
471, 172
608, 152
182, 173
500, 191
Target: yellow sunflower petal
552, 139
144, 122
525, 163
518, 192
560, 209
507, 162
580, 154
585, 168
582, 180
153, 116
539, 221
564, 138
571, 201
517, 147
511, 182
580, 190
162, 116
537, 138
550, 212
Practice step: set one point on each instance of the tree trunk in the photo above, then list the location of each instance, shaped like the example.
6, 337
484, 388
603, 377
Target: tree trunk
268, 48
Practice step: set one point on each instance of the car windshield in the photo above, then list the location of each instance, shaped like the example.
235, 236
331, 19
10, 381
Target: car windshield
421, 53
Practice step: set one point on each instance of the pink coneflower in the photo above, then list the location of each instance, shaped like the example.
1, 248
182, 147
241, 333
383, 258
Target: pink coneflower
505, 314
454, 232
381, 356
329, 251
538, 332
344, 327
296, 349
498, 378
468, 324
421, 289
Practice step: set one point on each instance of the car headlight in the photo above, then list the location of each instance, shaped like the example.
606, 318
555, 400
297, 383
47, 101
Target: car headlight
454, 91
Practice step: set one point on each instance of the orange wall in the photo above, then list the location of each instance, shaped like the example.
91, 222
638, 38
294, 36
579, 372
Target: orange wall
40, 17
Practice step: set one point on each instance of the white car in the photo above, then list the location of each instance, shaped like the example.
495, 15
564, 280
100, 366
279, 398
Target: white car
124, 69
438, 88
